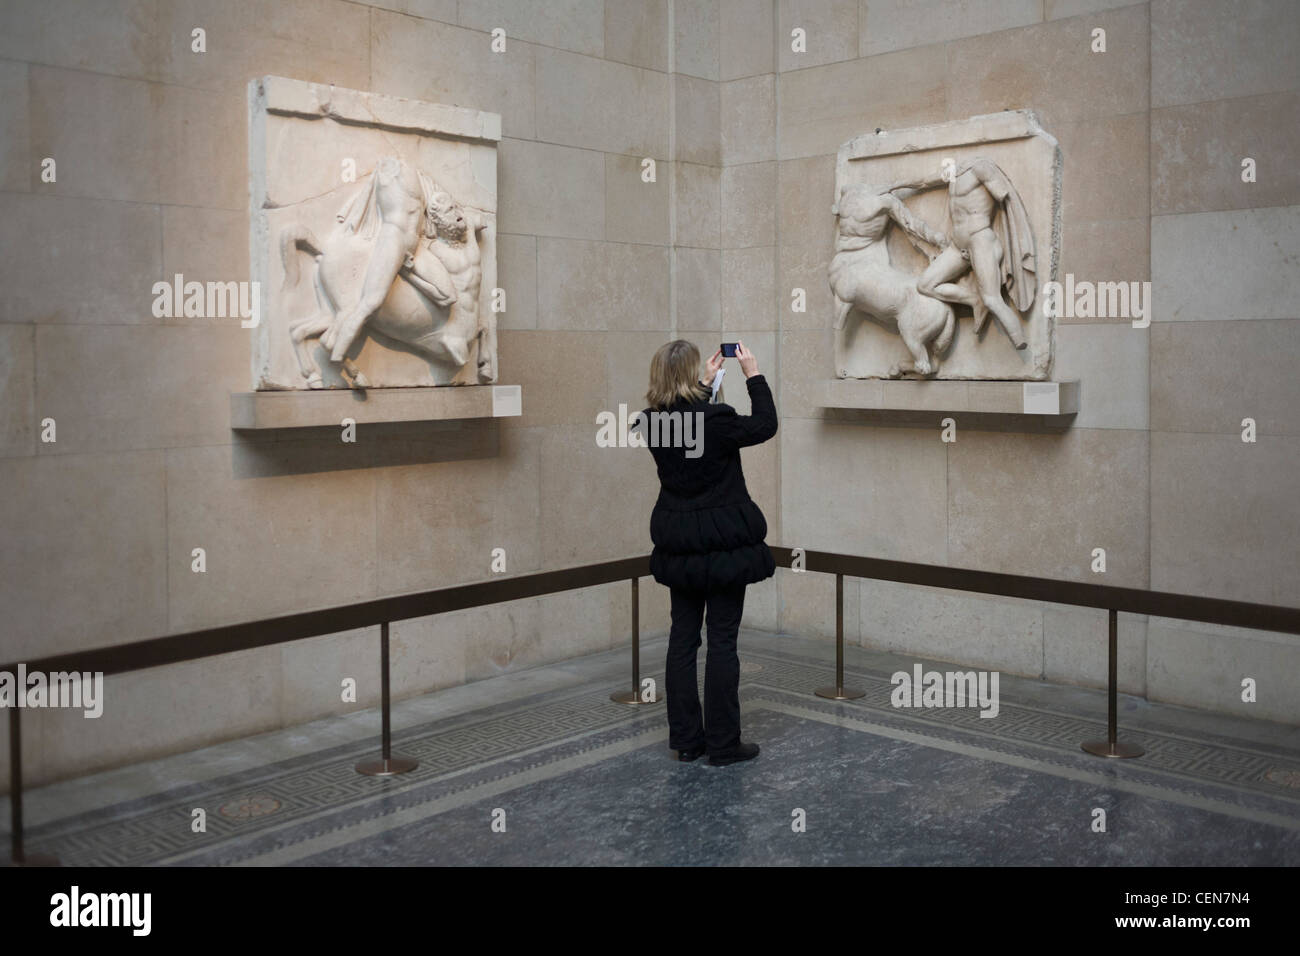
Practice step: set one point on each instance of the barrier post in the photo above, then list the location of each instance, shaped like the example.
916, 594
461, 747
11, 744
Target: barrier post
634, 696
839, 691
1112, 746
18, 854
387, 765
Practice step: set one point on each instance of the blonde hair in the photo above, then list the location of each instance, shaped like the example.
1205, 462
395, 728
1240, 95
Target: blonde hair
675, 374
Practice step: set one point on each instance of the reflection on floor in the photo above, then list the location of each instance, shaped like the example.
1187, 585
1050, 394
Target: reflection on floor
541, 768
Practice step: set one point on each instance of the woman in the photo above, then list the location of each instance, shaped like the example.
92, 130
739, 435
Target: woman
708, 543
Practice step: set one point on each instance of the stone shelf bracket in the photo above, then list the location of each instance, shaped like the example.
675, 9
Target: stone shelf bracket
1042, 400
292, 408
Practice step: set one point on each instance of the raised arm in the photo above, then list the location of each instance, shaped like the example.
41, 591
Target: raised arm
928, 183
913, 225
760, 424
742, 430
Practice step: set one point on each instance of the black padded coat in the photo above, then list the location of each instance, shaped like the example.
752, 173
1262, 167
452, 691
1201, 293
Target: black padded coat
707, 532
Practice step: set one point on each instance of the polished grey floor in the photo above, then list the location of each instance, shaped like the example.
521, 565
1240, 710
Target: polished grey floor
541, 768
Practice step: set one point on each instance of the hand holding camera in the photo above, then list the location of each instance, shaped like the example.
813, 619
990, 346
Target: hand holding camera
737, 350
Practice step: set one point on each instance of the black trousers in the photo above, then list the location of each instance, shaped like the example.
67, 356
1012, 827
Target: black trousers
718, 727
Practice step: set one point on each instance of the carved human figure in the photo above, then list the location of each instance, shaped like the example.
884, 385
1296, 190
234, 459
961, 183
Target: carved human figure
991, 238
862, 277
400, 201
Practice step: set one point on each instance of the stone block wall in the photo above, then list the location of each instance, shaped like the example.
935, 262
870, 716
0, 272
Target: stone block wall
150, 141
1154, 470
600, 267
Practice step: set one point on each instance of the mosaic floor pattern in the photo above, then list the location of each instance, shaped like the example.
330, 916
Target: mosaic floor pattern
569, 777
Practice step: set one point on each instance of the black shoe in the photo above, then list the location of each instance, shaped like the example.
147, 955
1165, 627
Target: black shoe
735, 755
693, 754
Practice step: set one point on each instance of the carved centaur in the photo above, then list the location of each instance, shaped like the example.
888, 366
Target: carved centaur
862, 277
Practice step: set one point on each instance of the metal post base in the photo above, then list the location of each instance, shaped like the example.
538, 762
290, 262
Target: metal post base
840, 693
387, 768
1120, 748
634, 697
36, 859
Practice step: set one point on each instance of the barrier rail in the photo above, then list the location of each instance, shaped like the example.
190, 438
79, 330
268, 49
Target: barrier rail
209, 642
